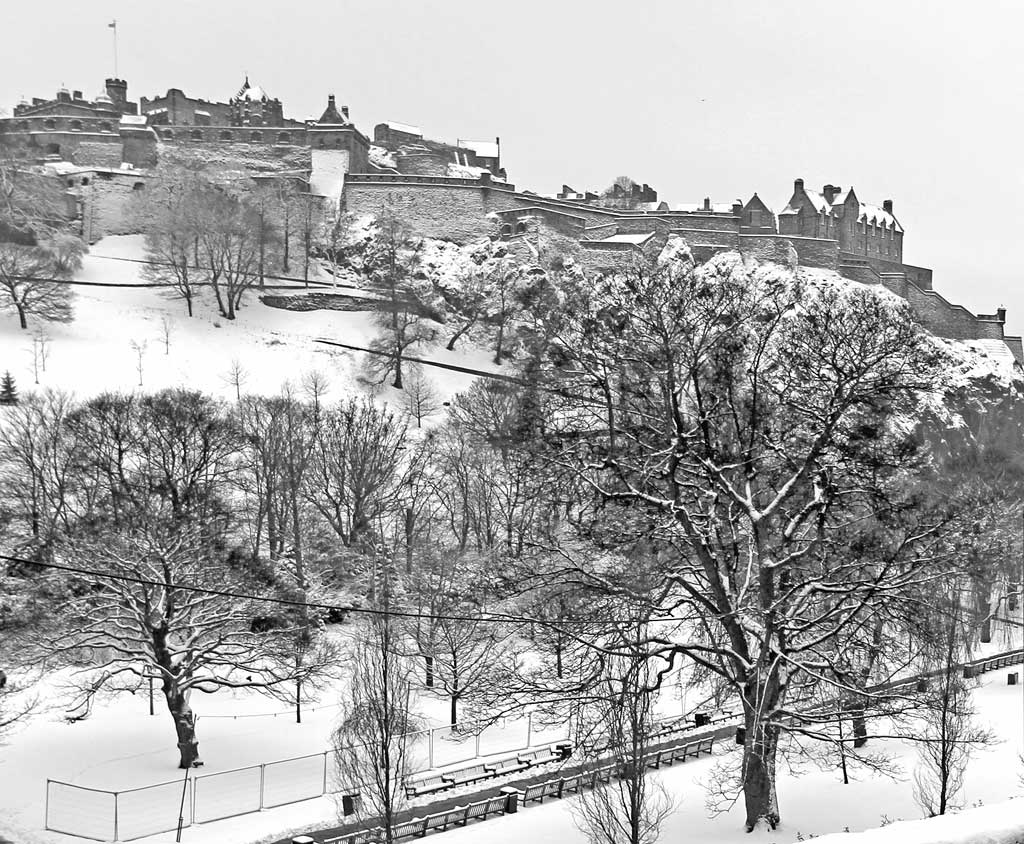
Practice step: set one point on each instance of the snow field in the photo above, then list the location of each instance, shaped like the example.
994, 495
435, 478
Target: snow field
94, 353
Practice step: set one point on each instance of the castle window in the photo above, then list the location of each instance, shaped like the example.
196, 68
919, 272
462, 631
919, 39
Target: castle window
53, 149
168, 135
85, 181
520, 227
755, 218
50, 123
254, 137
106, 127
506, 230
283, 138
321, 143
138, 187
196, 135
225, 136
71, 183
23, 125
76, 125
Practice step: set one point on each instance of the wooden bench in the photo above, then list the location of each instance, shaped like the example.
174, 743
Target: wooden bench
464, 776
537, 793
538, 756
427, 785
506, 766
415, 828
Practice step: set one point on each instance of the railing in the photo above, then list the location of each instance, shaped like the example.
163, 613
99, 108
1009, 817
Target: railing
105, 815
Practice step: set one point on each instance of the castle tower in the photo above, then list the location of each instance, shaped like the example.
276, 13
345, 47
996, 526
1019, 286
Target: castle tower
337, 148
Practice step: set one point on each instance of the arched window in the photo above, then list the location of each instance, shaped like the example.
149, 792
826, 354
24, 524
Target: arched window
168, 135
520, 227
321, 143
71, 183
254, 137
85, 181
50, 123
53, 149
196, 135
506, 230
106, 127
76, 125
23, 125
225, 136
139, 186
283, 138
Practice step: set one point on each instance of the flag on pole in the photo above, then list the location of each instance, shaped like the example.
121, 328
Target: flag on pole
112, 25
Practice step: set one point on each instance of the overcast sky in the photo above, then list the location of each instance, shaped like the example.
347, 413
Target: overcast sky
917, 101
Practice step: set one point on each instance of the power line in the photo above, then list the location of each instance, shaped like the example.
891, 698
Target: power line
490, 618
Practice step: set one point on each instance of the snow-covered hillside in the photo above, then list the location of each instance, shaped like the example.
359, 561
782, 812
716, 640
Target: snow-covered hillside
273, 346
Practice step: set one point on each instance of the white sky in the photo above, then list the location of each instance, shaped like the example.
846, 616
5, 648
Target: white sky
917, 100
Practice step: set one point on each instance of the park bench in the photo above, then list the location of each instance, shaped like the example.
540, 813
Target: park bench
464, 776
537, 793
509, 765
414, 828
427, 785
538, 756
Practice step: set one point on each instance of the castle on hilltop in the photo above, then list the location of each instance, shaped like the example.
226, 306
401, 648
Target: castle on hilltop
108, 147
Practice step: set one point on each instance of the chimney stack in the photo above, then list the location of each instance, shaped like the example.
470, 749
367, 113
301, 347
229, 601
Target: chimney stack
798, 185
76, 95
344, 112
829, 192
887, 206
1001, 314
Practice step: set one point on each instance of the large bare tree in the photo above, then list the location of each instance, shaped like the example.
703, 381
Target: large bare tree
757, 436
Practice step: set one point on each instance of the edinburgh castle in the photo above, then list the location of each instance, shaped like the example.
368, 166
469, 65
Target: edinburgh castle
108, 147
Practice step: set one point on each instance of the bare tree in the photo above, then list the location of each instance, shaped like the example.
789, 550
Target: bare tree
236, 377
170, 214
390, 263
950, 735
40, 353
421, 398
141, 617
371, 748
139, 347
739, 430
166, 330
230, 244
618, 718
357, 469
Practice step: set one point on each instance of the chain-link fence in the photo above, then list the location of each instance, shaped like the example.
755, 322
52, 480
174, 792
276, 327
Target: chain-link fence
125, 815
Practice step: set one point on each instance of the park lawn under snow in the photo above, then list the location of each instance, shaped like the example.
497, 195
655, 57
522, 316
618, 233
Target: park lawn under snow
94, 353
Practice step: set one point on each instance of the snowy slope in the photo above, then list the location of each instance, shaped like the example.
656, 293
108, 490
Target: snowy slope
94, 353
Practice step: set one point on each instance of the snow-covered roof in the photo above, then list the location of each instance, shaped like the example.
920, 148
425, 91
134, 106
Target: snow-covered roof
404, 127
866, 213
204, 113
157, 111
874, 214
134, 119
485, 149
636, 239
251, 92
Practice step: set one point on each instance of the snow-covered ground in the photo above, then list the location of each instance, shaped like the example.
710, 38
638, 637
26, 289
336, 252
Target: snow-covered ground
813, 802
273, 346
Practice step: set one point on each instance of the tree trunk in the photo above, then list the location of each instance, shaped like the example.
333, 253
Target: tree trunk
455, 710
455, 337
21, 314
185, 727
188, 302
429, 679
860, 727
759, 797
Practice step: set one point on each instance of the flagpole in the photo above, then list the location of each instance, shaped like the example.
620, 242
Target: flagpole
113, 26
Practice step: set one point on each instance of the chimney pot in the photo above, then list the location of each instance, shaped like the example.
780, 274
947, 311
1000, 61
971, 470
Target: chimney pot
76, 95
344, 111
887, 206
798, 184
1001, 314
707, 203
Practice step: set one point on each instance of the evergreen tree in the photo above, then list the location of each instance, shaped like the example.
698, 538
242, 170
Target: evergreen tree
8, 391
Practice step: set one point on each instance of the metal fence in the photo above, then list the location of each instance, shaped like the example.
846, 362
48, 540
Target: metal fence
104, 815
